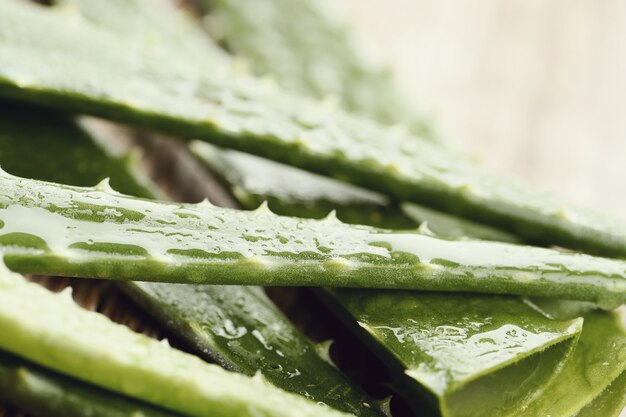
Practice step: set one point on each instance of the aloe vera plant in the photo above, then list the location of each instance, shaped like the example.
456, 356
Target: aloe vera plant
51, 330
42, 393
447, 343
218, 105
310, 48
96, 232
239, 327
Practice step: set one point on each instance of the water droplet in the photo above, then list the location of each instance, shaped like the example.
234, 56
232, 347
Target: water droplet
295, 373
230, 331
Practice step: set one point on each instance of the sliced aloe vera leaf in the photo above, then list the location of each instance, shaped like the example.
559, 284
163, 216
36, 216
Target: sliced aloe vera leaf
312, 49
242, 330
52, 331
42, 393
291, 191
435, 339
148, 87
239, 327
598, 360
466, 351
54, 229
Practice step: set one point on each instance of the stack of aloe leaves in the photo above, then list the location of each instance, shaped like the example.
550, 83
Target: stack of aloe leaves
412, 248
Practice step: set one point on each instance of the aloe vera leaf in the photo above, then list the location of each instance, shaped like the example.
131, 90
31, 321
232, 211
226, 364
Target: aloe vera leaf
258, 338
47, 145
290, 191
611, 403
52, 331
598, 360
239, 327
161, 24
312, 49
150, 88
465, 351
436, 334
241, 172
42, 393
95, 232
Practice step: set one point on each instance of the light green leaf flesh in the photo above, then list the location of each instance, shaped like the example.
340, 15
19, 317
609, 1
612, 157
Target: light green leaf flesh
51, 330
95, 232
42, 393
165, 91
239, 327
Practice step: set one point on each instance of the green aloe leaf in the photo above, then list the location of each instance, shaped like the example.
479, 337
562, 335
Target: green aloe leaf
596, 368
242, 330
466, 351
146, 85
96, 232
239, 327
49, 146
452, 344
310, 48
290, 191
51, 330
42, 393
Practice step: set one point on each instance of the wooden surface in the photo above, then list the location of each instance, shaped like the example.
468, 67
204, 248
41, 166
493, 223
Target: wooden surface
536, 87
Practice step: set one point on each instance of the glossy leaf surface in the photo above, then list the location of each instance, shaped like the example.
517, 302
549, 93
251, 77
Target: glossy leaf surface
96, 232
467, 350
51, 330
151, 87
239, 327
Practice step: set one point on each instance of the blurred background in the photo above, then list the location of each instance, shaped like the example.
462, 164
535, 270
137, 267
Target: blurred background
534, 87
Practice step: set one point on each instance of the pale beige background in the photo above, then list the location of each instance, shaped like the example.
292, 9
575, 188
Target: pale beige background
536, 87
